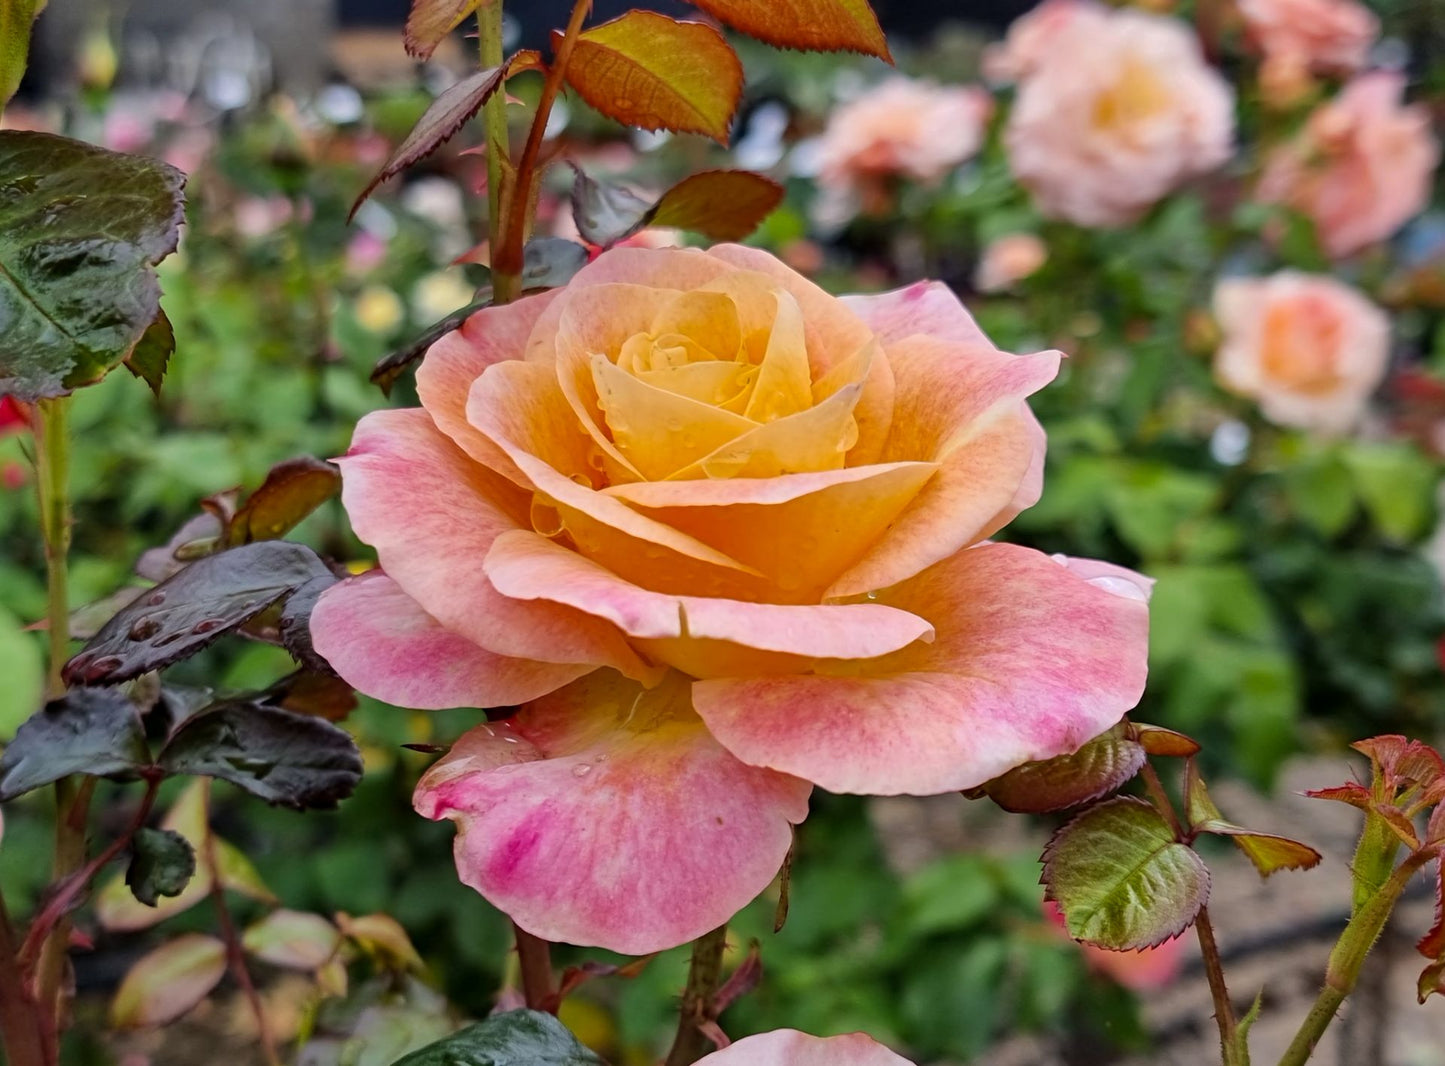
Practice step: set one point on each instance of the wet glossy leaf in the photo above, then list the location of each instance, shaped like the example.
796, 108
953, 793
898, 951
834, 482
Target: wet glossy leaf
169, 981
1100, 767
392, 366
1120, 878
199, 536
605, 213
294, 625
815, 25
431, 21
162, 863
291, 491
725, 205
152, 353
184, 613
653, 72
86, 731
514, 1038
16, 17
81, 230
447, 114
293, 760
294, 939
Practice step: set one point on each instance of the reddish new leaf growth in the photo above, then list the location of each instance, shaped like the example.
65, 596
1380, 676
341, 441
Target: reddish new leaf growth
291, 491
431, 20
1269, 852
814, 25
1156, 740
724, 205
1400, 762
1100, 767
653, 72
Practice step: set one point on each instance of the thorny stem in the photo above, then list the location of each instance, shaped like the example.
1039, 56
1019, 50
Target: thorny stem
1161, 800
703, 976
61, 903
20, 1024
1348, 956
494, 112
534, 956
507, 256
234, 953
72, 798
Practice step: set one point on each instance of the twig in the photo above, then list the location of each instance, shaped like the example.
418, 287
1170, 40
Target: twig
234, 952
20, 1021
1232, 1052
697, 1014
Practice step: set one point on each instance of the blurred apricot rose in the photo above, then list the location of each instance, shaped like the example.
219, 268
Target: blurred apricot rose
1123, 110
1362, 166
1324, 36
1310, 349
723, 537
788, 1047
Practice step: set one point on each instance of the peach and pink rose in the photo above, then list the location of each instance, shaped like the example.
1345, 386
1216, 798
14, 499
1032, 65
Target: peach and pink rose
1321, 36
1310, 349
721, 537
1361, 167
1031, 38
1121, 111
788, 1047
1009, 259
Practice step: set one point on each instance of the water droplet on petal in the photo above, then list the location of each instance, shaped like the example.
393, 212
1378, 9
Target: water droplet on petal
581, 770
155, 599
545, 519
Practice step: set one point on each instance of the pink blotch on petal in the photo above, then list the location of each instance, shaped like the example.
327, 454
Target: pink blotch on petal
1031, 660
606, 815
382, 643
788, 1047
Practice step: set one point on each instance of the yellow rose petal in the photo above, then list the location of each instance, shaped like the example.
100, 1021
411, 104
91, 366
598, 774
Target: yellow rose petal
784, 386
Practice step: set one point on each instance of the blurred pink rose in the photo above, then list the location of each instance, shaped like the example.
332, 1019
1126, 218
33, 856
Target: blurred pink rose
1361, 167
13, 416
1141, 971
788, 1047
903, 128
1323, 36
722, 537
1008, 260
1125, 111
1030, 42
1308, 348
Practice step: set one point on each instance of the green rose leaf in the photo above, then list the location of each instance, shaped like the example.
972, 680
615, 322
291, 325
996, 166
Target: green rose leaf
81, 230
16, 17
188, 611
1100, 767
162, 863
151, 355
86, 731
287, 759
1121, 879
515, 1038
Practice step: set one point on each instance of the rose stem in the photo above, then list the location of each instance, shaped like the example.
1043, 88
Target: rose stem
494, 112
703, 976
20, 1021
234, 952
507, 256
534, 956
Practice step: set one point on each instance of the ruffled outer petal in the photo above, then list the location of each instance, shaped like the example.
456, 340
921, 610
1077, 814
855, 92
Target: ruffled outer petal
606, 815
528, 566
1031, 660
788, 1047
927, 308
432, 513
492, 335
381, 642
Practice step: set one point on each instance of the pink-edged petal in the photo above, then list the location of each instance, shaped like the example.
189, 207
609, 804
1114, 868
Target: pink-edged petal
605, 814
1031, 660
530, 567
788, 1047
964, 409
521, 407
432, 513
801, 530
833, 331
444, 379
381, 642
929, 308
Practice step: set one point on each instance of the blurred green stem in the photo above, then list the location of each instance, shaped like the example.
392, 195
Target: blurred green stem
494, 112
703, 976
1348, 956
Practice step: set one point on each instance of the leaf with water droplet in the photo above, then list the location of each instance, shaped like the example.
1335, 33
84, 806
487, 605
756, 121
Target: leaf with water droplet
86, 731
291, 491
511, 1038
189, 610
292, 760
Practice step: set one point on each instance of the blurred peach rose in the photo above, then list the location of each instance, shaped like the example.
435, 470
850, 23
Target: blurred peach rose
1310, 349
903, 128
1008, 260
722, 537
1141, 971
788, 1047
1123, 112
1322, 36
1031, 39
1361, 167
